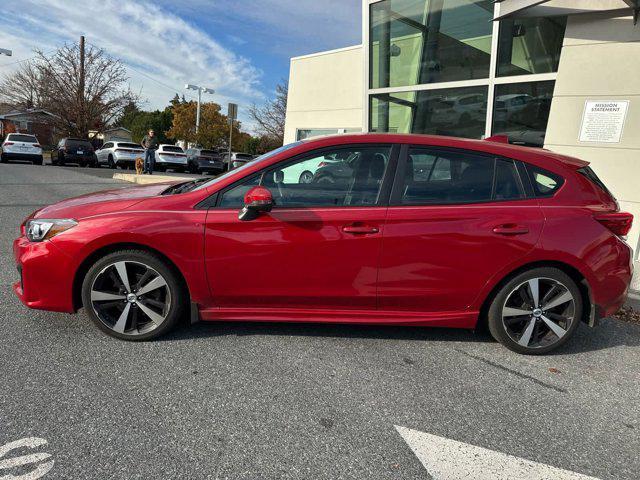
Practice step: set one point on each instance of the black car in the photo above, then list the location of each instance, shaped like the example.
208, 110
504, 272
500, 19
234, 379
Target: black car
74, 150
201, 160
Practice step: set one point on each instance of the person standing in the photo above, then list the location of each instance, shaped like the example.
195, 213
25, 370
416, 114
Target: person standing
150, 144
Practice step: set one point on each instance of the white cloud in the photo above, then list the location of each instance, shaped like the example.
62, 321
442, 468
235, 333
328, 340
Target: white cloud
157, 43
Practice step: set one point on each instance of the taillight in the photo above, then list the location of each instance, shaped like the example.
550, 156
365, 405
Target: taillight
322, 164
8, 143
37, 145
618, 222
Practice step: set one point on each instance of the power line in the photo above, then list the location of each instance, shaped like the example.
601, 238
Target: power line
26, 59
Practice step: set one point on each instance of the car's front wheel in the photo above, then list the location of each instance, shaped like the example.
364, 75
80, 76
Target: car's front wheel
133, 295
536, 312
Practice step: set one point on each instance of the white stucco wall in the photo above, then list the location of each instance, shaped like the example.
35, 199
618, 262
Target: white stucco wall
601, 61
325, 91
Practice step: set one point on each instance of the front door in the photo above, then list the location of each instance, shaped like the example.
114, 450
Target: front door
319, 246
456, 219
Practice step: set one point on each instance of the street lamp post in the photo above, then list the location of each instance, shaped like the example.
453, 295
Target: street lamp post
4, 51
200, 90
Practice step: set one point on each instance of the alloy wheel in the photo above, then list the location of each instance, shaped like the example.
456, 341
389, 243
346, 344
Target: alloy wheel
306, 177
130, 298
538, 312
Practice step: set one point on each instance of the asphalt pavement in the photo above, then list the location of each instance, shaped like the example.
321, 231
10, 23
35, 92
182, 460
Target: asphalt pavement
267, 401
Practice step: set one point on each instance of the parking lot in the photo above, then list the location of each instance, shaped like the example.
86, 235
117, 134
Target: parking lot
248, 401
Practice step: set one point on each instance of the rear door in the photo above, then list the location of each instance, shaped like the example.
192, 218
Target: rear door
456, 218
317, 249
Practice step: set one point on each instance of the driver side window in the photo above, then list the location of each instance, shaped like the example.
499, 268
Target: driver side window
347, 176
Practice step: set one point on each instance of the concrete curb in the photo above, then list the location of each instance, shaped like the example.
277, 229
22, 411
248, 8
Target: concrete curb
147, 179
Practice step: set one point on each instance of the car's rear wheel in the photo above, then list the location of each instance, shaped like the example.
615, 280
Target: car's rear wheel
306, 177
536, 312
133, 295
111, 163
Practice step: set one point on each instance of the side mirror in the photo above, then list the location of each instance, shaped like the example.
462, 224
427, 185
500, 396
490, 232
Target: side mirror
257, 200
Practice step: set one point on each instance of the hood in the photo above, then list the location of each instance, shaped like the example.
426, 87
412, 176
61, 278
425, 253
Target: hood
101, 202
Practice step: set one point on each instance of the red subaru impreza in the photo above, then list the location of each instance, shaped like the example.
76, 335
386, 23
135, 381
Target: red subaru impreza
371, 229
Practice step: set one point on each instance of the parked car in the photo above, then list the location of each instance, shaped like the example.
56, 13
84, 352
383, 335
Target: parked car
170, 157
526, 241
200, 160
459, 110
237, 159
20, 146
119, 154
74, 150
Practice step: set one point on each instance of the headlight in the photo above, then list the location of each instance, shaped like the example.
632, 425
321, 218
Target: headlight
41, 229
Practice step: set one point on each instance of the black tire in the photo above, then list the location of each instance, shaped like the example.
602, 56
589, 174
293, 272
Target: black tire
111, 163
61, 160
3, 158
39, 162
507, 336
193, 168
325, 179
179, 296
306, 177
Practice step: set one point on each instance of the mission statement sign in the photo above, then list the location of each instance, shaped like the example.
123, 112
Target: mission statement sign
603, 121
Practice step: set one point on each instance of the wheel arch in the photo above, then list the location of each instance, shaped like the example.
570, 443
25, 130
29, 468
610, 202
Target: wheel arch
589, 308
85, 265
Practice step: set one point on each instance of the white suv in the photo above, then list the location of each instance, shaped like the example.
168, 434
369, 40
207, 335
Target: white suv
20, 146
170, 156
119, 154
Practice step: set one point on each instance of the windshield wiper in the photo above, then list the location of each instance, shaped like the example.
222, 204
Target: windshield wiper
185, 187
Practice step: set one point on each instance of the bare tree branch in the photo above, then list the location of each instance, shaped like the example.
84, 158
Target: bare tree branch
270, 117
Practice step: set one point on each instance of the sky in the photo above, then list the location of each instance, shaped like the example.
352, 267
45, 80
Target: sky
240, 48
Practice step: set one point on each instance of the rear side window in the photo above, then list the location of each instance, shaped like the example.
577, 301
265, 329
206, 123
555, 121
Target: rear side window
129, 145
591, 175
435, 177
544, 182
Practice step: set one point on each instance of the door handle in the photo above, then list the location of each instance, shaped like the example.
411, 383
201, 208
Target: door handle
510, 229
359, 229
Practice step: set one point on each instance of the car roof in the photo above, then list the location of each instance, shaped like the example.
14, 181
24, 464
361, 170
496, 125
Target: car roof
516, 152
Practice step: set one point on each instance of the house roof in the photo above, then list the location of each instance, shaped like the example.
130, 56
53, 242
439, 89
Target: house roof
117, 128
16, 113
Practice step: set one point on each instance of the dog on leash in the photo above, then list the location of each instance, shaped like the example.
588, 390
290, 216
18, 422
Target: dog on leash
139, 166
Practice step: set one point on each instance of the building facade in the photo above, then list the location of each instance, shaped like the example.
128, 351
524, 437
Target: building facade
559, 74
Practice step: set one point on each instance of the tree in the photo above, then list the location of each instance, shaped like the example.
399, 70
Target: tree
270, 117
79, 102
214, 129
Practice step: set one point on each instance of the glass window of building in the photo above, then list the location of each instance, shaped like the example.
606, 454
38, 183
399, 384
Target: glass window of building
460, 112
521, 111
414, 42
530, 45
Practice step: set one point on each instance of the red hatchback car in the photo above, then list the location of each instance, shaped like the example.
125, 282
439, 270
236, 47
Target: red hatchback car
401, 230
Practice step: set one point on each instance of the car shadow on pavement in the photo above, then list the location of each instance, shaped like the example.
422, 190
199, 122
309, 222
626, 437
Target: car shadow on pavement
609, 334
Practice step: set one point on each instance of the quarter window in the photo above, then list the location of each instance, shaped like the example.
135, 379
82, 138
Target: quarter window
545, 183
336, 178
434, 177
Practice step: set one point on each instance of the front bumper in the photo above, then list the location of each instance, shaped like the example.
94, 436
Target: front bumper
46, 276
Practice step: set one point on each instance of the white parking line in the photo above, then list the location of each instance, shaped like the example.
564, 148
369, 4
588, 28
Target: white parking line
447, 459
41, 467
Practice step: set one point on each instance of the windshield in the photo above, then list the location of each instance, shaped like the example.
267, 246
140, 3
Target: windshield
169, 148
246, 166
22, 138
77, 143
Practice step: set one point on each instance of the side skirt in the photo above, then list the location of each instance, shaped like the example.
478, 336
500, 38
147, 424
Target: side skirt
466, 319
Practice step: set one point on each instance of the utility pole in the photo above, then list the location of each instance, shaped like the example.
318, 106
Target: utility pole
81, 88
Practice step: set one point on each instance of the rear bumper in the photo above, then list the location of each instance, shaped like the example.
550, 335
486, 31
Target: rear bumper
70, 158
611, 286
30, 157
46, 276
